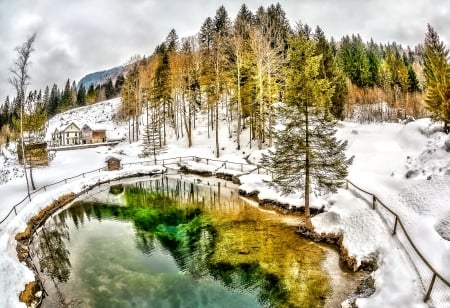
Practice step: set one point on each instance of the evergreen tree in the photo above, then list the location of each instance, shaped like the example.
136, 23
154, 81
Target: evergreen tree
53, 102
109, 89
5, 115
73, 94
46, 97
353, 59
91, 96
118, 84
307, 154
162, 90
81, 96
66, 97
437, 77
330, 70
172, 41
413, 82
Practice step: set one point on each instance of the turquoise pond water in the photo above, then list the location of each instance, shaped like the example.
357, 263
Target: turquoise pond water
152, 249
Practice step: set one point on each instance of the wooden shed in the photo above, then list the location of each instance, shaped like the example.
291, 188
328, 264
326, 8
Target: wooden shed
36, 153
113, 163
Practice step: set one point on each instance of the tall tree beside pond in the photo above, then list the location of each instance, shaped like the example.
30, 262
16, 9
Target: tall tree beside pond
307, 154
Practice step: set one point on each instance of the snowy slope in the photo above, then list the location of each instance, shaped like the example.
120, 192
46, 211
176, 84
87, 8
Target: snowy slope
100, 113
384, 155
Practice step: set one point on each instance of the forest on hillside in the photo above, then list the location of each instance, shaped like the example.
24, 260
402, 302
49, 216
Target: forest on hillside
235, 70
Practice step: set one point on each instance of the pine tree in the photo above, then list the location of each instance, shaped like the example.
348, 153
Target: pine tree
5, 113
66, 98
330, 70
109, 89
437, 78
53, 101
118, 84
91, 96
81, 96
307, 154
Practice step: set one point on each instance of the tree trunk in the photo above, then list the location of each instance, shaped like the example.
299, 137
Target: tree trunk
238, 136
307, 181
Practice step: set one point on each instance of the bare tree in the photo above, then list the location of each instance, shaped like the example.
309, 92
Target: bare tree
20, 80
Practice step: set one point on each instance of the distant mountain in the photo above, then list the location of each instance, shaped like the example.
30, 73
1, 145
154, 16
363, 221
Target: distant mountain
98, 78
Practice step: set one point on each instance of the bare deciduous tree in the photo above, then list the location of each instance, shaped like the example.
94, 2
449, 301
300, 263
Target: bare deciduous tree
20, 80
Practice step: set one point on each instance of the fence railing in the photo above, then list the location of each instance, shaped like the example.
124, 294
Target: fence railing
243, 167
16, 208
436, 287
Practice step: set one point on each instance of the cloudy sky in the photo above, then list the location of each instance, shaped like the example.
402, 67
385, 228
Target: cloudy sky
75, 38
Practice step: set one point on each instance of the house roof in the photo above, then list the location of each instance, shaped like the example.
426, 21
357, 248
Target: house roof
95, 126
110, 157
71, 123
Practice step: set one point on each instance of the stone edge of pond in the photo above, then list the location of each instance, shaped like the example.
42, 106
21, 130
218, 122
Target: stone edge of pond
369, 264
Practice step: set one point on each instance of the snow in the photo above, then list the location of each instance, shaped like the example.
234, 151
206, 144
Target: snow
406, 166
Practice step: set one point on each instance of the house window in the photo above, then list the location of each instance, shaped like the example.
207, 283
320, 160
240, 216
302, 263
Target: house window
67, 135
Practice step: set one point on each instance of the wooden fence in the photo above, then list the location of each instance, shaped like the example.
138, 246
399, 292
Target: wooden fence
436, 287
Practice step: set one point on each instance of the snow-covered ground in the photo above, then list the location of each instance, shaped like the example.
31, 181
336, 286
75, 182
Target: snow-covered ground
406, 166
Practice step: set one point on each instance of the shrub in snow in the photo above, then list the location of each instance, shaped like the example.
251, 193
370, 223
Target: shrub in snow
411, 173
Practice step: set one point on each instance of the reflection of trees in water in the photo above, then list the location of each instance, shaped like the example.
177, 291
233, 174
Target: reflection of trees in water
190, 238
53, 254
160, 220
52, 251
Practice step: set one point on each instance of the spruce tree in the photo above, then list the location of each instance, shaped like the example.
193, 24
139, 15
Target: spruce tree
91, 96
307, 155
81, 96
437, 78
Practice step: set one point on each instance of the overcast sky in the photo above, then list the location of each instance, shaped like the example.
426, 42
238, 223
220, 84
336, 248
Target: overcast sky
75, 38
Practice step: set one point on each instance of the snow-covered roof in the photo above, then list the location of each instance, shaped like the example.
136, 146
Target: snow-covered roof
95, 126
109, 157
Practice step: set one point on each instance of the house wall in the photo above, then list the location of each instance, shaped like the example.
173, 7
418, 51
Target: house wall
71, 135
113, 164
98, 136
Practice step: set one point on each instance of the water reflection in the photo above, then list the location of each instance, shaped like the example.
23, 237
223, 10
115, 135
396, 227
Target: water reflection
168, 243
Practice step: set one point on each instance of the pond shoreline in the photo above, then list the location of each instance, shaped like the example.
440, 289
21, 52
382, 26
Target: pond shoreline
33, 292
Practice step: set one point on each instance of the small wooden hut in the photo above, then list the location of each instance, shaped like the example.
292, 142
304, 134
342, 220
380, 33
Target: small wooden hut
36, 154
113, 163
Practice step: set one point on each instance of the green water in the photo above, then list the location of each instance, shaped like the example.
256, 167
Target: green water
151, 248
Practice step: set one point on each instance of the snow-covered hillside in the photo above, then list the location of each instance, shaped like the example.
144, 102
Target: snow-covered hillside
100, 113
406, 166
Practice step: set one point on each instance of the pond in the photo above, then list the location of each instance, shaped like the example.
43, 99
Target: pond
171, 243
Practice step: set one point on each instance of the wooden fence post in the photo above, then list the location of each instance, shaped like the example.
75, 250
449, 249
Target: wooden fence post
374, 201
427, 296
395, 225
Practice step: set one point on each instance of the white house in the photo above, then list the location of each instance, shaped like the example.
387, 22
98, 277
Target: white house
69, 135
